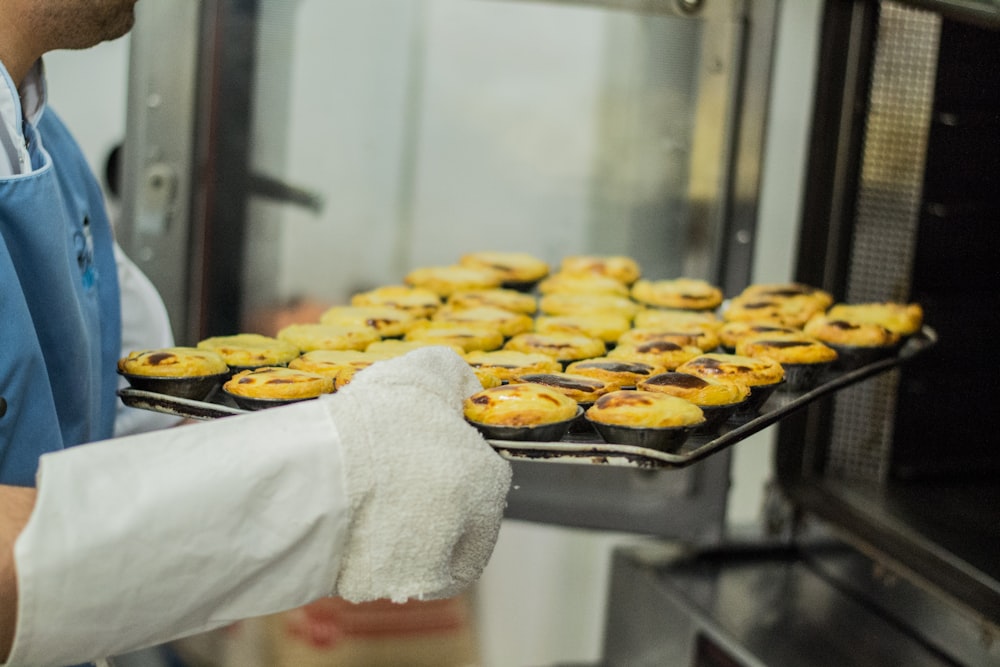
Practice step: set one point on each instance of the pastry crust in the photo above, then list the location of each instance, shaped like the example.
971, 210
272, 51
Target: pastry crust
522, 404
606, 326
682, 293
388, 321
787, 348
620, 267
704, 338
582, 283
507, 364
331, 362
417, 301
792, 311
730, 333
278, 382
249, 350
445, 280
173, 362
822, 298
469, 337
618, 372
644, 409
519, 268
568, 303
506, 322
580, 388
751, 371
561, 346
316, 336
674, 318
661, 352
393, 347
508, 299
701, 391
844, 333
902, 318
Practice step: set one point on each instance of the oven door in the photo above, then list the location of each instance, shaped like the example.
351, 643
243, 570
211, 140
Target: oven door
283, 155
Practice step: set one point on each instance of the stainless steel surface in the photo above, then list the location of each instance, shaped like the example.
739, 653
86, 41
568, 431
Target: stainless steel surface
159, 155
745, 609
942, 536
922, 610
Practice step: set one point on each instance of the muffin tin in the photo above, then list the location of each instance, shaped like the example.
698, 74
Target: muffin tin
587, 447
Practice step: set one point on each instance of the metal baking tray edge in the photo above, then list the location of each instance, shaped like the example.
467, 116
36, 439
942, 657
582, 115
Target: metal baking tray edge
597, 452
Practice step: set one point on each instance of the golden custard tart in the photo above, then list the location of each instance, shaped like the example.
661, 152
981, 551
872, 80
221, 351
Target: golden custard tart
730, 333
644, 419
506, 322
620, 267
250, 350
659, 352
570, 303
672, 318
580, 388
270, 386
444, 280
702, 391
718, 399
467, 336
507, 364
564, 347
331, 362
761, 374
417, 301
680, 293
751, 371
582, 283
317, 336
522, 411
856, 343
704, 338
185, 372
787, 348
803, 357
790, 290
902, 318
393, 347
792, 311
519, 270
388, 321
606, 326
487, 378
620, 373
508, 299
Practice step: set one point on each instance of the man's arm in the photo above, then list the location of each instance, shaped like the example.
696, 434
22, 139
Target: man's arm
15, 508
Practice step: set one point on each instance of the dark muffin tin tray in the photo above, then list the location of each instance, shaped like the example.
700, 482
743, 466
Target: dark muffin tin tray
585, 446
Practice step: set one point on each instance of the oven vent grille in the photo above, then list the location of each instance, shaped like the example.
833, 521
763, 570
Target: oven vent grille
888, 208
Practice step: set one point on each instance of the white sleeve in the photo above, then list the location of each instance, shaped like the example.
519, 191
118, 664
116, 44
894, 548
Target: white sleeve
145, 325
381, 490
140, 540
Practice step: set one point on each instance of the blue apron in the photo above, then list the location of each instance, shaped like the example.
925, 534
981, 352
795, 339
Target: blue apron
60, 324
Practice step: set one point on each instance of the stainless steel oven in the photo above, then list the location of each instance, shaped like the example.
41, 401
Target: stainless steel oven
284, 154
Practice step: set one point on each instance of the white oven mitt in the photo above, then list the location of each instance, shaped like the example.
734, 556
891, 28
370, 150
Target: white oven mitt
414, 533
382, 490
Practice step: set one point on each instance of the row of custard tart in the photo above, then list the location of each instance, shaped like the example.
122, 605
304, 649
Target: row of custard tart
566, 322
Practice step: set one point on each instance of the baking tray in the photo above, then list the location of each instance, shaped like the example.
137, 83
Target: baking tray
587, 447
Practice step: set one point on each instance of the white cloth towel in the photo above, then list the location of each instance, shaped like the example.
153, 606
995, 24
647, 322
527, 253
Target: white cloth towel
415, 532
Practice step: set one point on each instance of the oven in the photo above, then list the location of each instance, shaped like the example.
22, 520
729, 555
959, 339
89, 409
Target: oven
282, 155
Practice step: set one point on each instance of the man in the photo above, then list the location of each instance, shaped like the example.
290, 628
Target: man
134, 541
